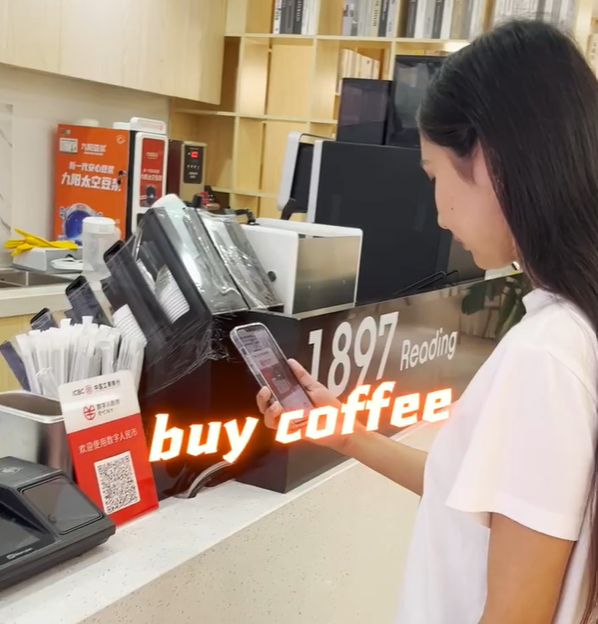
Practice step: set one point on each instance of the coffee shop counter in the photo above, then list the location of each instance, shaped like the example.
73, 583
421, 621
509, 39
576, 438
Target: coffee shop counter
329, 552
29, 300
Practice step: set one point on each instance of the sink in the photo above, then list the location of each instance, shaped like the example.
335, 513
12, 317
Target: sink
13, 278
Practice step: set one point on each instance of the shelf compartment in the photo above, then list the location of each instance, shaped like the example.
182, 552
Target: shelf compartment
252, 85
249, 148
249, 16
268, 208
239, 201
230, 76
290, 79
245, 202
329, 57
218, 133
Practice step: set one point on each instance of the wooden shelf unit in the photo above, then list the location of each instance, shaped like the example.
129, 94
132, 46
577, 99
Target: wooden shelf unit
274, 84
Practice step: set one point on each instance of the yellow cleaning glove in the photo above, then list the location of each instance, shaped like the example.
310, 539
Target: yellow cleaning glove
30, 241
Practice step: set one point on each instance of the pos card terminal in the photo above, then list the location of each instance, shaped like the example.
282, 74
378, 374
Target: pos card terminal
45, 519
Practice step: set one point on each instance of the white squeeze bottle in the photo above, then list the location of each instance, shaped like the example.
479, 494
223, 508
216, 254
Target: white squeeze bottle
99, 234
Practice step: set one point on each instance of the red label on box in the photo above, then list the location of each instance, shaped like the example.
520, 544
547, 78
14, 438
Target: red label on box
108, 447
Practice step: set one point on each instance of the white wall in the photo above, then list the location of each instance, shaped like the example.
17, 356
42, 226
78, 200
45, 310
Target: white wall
39, 102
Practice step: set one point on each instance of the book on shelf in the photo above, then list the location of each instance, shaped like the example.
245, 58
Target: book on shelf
560, 12
370, 18
375, 18
444, 19
426, 19
464, 19
295, 17
348, 19
354, 65
276, 26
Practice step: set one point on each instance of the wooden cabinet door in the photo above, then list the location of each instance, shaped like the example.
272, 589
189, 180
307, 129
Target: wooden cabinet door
181, 44
30, 34
96, 40
169, 47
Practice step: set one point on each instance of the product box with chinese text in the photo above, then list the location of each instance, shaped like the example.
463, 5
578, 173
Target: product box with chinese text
91, 177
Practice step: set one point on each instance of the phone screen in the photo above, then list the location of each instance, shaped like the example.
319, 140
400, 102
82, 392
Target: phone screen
263, 353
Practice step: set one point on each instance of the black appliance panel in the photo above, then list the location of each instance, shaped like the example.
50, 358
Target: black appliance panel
363, 111
412, 75
193, 164
384, 192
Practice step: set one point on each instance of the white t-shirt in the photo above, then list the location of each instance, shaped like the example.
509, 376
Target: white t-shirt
519, 442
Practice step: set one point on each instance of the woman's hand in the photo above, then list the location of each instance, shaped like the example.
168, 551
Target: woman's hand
320, 396
402, 464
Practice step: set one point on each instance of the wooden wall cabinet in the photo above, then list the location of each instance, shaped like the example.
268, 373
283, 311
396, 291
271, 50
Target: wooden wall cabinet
167, 47
30, 34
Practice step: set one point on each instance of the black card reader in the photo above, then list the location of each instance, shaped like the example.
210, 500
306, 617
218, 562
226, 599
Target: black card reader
45, 519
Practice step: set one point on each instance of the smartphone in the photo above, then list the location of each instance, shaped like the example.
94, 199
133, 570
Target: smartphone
269, 366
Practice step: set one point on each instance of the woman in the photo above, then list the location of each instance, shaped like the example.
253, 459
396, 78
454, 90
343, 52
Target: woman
506, 529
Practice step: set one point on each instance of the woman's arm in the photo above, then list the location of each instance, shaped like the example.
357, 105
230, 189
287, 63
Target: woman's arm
525, 574
400, 463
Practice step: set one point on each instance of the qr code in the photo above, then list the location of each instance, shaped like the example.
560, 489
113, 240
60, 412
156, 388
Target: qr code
117, 481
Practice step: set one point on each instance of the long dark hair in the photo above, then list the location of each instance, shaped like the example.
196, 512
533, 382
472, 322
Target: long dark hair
525, 93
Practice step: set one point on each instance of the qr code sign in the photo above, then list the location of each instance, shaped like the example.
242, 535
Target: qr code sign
117, 481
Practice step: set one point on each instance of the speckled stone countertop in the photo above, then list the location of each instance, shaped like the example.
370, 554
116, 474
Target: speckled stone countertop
140, 552
136, 568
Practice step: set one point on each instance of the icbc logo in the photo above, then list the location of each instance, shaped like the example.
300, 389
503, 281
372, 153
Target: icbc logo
82, 391
89, 411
